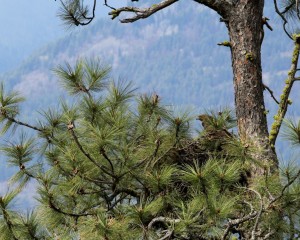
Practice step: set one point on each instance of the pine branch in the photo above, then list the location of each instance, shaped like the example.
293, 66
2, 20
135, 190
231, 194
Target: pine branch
123, 190
112, 206
6, 218
103, 168
103, 153
21, 123
59, 210
74, 12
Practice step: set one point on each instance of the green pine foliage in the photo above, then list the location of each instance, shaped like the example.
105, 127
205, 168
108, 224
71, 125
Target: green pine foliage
113, 165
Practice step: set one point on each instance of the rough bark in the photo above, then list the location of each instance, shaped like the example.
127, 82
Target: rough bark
245, 28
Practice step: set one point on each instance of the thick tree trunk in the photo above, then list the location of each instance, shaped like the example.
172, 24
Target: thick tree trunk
244, 22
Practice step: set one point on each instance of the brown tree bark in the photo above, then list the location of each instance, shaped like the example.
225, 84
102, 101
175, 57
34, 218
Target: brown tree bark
245, 27
244, 20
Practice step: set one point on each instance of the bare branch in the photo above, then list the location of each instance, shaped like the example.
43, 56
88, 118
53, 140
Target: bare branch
168, 235
281, 14
253, 214
162, 219
253, 233
107, 5
271, 92
250, 206
287, 8
116, 202
268, 235
140, 13
235, 222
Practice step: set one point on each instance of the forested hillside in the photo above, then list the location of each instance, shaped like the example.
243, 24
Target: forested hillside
172, 53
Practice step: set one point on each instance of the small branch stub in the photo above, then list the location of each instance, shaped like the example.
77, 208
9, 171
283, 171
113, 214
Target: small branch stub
265, 22
225, 44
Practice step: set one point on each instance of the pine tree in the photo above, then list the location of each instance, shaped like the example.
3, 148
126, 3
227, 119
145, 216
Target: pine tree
113, 165
245, 23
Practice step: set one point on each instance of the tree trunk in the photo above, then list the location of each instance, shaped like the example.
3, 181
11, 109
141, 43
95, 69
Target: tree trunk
244, 22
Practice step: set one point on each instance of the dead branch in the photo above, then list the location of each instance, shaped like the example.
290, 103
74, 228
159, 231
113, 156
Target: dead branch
140, 13
281, 14
162, 219
271, 92
235, 222
253, 233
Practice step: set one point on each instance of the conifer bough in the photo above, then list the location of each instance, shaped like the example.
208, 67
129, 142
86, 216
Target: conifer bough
111, 169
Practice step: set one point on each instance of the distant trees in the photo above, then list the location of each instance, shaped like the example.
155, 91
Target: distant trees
111, 165
245, 23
